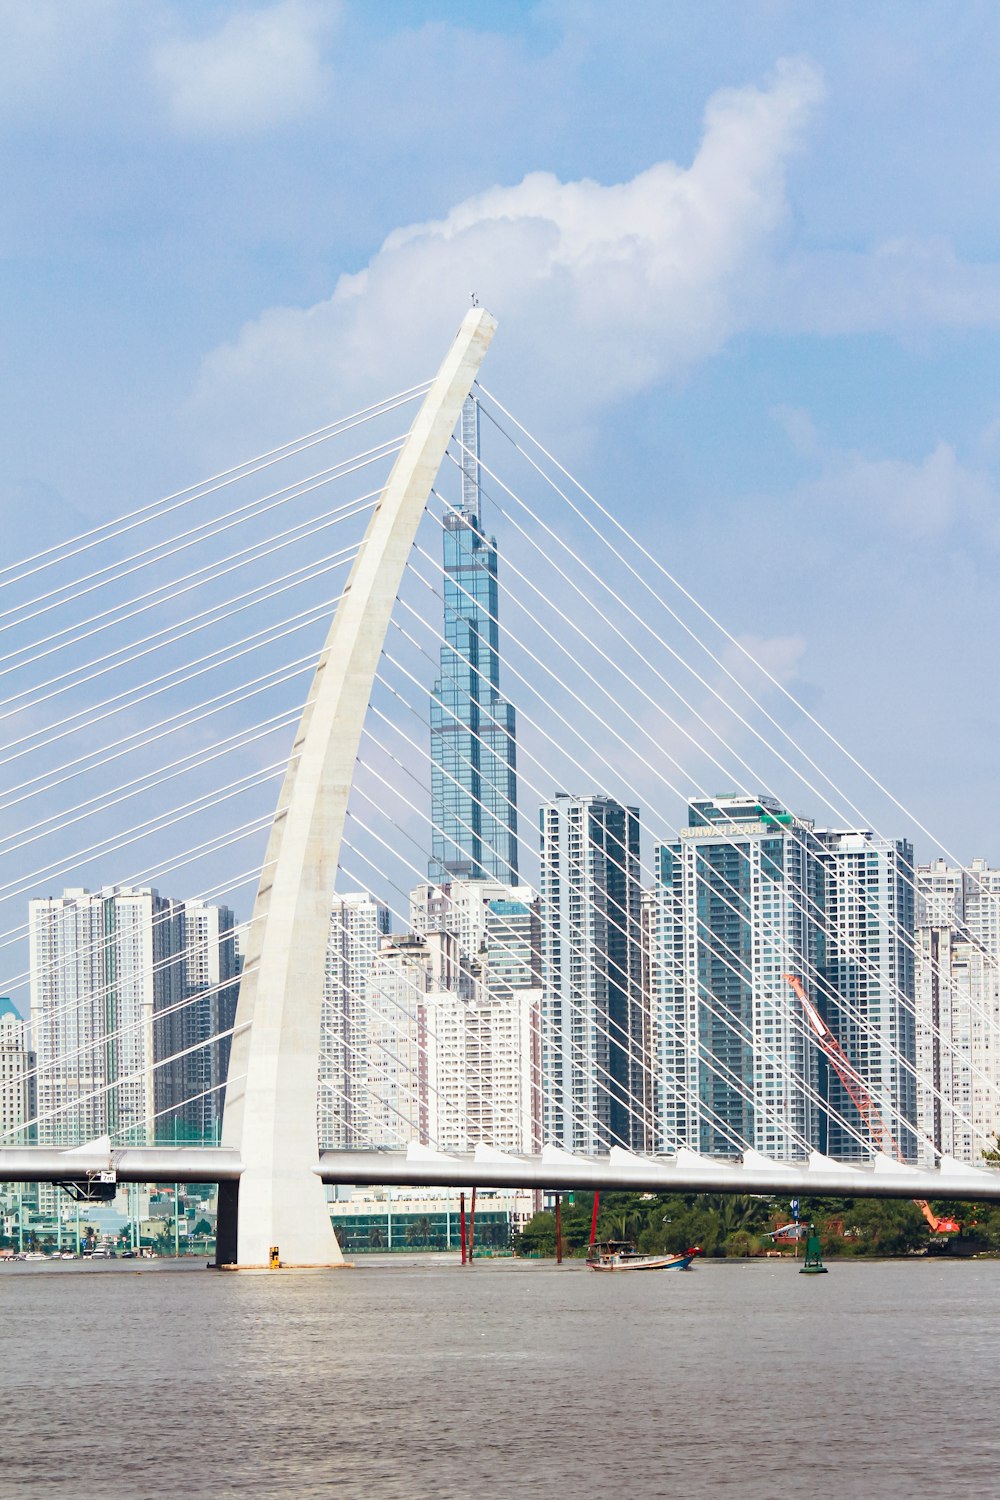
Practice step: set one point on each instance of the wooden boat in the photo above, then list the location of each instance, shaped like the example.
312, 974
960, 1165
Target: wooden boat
621, 1255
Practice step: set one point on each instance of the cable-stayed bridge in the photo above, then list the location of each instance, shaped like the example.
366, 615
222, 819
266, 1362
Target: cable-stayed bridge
167, 659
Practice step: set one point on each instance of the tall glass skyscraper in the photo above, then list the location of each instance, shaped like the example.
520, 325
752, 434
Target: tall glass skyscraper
473, 775
748, 894
594, 1016
735, 909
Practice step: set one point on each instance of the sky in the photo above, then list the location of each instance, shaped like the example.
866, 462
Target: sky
745, 261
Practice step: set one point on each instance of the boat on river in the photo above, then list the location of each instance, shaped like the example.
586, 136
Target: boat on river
621, 1255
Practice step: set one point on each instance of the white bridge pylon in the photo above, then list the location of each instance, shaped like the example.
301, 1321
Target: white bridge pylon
270, 1111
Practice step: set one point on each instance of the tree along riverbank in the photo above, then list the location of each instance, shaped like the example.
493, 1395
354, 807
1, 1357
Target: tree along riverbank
740, 1226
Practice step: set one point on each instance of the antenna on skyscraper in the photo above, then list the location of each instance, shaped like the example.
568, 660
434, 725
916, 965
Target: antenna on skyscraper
470, 457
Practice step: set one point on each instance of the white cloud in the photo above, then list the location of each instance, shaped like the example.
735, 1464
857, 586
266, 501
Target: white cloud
898, 286
260, 68
919, 500
50, 56
600, 290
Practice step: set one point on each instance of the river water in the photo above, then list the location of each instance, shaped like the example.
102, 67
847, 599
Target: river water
412, 1378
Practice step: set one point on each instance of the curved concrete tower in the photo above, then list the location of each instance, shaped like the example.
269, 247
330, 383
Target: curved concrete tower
270, 1114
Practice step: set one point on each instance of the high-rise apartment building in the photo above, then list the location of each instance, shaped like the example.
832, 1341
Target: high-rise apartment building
483, 1069
196, 1033
981, 886
505, 1026
483, 1033
594, 1022
649, 984
17, 1078
391, 1080
868, 989
948, 981
511, 950
358, 924
462, 907
114, 974
473, 776
982, 918
734, 909
436, 1047
101, 965
748, 894
957, 1009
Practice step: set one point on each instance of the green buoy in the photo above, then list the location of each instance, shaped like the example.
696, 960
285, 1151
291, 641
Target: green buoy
813, 1264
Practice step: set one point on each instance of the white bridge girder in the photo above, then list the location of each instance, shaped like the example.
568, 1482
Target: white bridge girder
555, 1170
551, 1170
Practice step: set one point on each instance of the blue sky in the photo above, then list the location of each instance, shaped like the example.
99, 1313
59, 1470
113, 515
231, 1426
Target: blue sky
746, 261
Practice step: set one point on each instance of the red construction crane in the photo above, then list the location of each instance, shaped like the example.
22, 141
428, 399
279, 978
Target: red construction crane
881, 1136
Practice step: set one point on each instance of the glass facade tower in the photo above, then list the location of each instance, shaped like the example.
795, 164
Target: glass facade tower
595, 1067
473, 775
736, 908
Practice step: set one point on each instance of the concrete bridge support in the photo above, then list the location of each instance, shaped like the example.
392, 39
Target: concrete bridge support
270, 1114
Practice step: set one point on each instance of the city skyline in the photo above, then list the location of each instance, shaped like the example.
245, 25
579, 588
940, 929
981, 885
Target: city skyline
507, 817
949, 1036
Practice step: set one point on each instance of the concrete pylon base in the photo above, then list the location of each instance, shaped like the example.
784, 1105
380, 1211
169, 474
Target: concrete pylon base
343, 1265
288, 1212
270, 1212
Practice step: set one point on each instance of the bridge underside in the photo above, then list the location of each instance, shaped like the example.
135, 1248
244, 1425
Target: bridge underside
552, 1170
556, 1170
127, 1164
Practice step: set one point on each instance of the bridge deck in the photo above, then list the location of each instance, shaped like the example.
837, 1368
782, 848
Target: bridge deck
551, 1170
684, 1173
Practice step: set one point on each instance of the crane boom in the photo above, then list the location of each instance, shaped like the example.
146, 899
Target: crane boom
849, 1076
881, 1136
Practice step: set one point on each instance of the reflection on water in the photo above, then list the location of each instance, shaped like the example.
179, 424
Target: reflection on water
419, 1378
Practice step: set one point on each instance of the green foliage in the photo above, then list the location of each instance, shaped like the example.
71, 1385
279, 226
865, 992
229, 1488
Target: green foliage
741, 1244
980, 1224
720, 1224
418, 1233
878, 1227
538, 1236
736, 1225
492, 1237
622, 1216
992, 1154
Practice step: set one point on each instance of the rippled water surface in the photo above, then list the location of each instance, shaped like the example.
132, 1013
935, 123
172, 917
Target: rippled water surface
420, 1379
